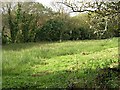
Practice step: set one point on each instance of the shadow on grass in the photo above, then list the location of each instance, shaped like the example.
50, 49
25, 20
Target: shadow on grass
20, 46
68, 80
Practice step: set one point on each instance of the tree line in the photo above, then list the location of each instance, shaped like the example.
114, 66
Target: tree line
32, 22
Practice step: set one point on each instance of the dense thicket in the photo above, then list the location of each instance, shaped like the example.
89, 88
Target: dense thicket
32, 22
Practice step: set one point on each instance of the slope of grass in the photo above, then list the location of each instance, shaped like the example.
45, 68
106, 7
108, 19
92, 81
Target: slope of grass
46, 65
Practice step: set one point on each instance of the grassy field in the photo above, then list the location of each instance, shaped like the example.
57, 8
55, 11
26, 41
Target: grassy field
58, 65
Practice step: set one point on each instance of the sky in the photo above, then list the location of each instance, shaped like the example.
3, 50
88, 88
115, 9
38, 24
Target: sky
45, 2
48, 3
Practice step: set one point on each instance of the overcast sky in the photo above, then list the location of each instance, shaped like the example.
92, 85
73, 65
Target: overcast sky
45, 2
48, 3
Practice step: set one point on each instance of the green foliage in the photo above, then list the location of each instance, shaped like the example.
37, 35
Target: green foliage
12, 26
22, 22
51, 31
31, 21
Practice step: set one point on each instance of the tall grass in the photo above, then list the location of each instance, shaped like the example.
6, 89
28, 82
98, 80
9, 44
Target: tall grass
45, 65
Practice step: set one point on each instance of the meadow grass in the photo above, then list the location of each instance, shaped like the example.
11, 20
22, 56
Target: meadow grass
56, 65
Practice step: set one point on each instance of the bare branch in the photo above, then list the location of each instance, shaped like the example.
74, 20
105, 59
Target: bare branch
75, 9
103, 8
